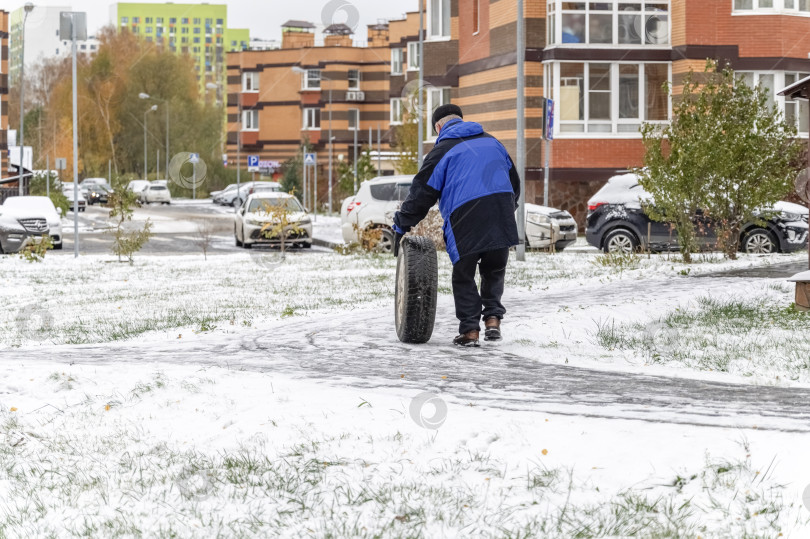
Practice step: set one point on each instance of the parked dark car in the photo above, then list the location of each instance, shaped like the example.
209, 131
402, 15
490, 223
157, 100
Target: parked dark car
616, 222
19, 228
98, 193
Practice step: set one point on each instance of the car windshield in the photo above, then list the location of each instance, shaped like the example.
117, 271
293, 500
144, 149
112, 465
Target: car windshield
30, 203
157, 188
100, 188
268, 205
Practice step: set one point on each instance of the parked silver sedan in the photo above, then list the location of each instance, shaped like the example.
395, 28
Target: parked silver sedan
17, 230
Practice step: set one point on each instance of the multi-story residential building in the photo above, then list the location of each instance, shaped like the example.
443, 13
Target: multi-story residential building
4, 23
272, 108
199, 30
607, 66
41, 38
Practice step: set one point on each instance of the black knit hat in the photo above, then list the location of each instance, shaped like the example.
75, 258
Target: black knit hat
444, 111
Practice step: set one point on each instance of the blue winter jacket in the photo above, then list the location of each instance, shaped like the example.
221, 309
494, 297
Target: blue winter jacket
471, 175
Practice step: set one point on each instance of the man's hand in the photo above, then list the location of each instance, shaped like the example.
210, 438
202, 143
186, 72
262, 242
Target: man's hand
397, 240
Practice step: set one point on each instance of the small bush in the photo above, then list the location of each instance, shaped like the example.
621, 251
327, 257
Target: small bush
35, 251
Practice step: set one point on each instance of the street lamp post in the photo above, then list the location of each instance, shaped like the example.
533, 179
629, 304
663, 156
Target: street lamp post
300, 70
28, 8
143, 95
145, 155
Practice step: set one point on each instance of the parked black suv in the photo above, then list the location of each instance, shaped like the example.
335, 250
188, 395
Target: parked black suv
616, 222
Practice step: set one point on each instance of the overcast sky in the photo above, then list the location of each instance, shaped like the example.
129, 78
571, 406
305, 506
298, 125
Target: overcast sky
264, 17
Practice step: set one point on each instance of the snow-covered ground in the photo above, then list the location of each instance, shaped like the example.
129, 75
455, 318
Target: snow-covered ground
248, 395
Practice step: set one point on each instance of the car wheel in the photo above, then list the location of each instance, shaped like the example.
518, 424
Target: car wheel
417, 284
386, 243
58, 246
620, 241
307, 245
236, 238
759, 242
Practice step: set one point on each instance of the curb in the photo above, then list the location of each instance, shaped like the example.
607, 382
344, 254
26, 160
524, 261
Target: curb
324, 243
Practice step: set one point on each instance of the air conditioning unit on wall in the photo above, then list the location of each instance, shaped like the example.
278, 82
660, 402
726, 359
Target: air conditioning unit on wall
355, 95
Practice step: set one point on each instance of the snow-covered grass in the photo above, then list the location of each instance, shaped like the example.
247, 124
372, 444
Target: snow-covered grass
177, 451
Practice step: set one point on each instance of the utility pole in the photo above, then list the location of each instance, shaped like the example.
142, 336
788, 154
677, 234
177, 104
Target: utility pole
421, 122
28, 8
356, 129
521, 130
379, 151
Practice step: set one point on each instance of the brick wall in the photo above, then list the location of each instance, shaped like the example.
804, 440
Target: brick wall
4, 26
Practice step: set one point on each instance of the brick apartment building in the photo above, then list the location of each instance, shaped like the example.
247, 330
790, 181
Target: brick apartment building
604, 64
279, 107
4, 20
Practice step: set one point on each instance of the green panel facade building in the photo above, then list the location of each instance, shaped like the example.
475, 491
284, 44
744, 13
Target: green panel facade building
199, 30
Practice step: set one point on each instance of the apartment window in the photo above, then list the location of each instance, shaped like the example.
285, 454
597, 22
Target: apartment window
438, 14
354, 119
149, 39
608, 23
354, 79
134, 29
184, 20
148, 20
413, 56
173, 20
196, 40
396, 111
159, 20
796, 112
183, 40
312, 79
148, 29
772, 6
250, 120
602, 97
434, 98
136, 20
312, 119
196, 29
208, 22
196, 20
219, 22
396, 61
124, 20
184, 30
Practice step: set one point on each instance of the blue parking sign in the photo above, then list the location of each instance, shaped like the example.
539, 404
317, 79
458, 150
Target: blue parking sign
253, 160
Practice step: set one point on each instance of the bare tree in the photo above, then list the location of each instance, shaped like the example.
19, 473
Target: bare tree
204, 236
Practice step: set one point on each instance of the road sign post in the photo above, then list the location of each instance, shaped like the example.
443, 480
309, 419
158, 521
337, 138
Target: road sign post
548, 135
194, 159
311, 191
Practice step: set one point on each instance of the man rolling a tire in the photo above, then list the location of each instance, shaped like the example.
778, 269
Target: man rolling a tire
472, 176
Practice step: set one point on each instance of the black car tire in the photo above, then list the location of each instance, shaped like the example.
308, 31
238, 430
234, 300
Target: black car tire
759, 241
245, 244
620, 240
236, 238
416, 289
58, 246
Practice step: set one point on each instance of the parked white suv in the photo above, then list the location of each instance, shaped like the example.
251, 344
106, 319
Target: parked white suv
252, 217
376, 201
39, 206
155, 193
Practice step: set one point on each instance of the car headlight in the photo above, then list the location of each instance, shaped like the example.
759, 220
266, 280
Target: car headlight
790, 216
538, 219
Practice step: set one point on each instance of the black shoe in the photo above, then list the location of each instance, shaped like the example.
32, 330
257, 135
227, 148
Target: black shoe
469, 339
492, 331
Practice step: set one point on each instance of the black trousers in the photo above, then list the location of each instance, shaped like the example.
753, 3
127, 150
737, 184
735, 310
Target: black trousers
470, 304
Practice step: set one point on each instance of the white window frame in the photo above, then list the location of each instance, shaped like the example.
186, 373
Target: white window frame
396, 60
779, 7
552, 71
311, 116
250, 120
441, 36
413, 52
305, 80
354, 114
431, 104
356, 81
250, 81
477, 19
779, 82
397, 111
555, 15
